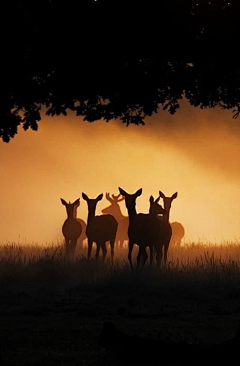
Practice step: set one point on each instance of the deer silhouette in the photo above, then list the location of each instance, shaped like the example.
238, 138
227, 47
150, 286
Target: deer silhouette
144, 230
99, 228
166, 227
178, 233
123, 221
156, 210
83, 235
71, 228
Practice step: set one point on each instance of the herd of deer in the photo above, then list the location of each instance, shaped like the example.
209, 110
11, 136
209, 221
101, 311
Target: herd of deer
151, 230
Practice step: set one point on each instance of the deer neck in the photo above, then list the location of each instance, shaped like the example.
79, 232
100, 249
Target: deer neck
117, 213
91, 215
132, 213
70, 215
166, 216
74, 213
152, 212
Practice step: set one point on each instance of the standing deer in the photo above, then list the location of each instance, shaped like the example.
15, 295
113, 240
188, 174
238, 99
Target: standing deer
71, 228
144, 230
99, 228
155, 210
166, 231
123, 221
166, 227
83, 236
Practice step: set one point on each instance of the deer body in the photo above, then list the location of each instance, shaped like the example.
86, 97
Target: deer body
143, 230
99, 228
178, 233
123, 221
83, 236
71, 228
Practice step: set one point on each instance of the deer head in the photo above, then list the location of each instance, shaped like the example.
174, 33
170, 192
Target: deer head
167, 200
156, 209
114, 208
92, 203
70, 207
130, 199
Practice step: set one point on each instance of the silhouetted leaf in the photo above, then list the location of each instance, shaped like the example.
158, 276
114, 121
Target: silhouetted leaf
135, 56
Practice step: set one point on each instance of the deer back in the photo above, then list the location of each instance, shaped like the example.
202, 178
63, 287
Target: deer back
122, 231
102, 228
83, 235
166, 230
178, 232
71, 229
144, 229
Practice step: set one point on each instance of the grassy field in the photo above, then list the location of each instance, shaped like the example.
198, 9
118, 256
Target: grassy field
52, 310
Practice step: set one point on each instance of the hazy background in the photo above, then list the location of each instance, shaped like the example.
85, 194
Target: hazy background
195, 152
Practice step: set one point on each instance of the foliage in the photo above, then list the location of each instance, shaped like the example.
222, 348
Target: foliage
117, 59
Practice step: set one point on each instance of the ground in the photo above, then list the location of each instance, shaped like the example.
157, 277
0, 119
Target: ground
52, 310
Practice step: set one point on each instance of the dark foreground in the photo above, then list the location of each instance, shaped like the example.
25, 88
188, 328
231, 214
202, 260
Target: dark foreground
52, 311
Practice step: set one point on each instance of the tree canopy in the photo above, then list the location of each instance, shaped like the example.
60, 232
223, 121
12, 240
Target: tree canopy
108, 59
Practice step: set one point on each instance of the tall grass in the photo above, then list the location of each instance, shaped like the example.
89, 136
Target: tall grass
191, 266
52, 309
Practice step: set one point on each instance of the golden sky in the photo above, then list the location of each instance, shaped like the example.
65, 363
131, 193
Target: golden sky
195, 152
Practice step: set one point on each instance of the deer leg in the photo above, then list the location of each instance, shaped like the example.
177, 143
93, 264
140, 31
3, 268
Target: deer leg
97, 250
104, 250
67, 247
159, 256
130, 248
166, 246
72, 247
144, 256
112, 241
139, 257
151, 255
90, 243
165, 253
121, 244
81, 245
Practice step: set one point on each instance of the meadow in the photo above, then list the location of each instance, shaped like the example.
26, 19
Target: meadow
52, 309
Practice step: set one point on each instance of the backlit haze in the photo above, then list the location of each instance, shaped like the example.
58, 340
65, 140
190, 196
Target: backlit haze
195, 152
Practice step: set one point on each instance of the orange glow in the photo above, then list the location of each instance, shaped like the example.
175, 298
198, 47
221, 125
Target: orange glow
195, 153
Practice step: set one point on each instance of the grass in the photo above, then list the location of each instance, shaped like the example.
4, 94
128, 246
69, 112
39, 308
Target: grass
52, 310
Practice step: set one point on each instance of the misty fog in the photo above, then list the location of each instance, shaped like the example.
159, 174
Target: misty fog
195, 152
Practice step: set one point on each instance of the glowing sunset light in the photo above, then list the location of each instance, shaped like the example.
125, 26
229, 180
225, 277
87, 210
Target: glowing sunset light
199, 162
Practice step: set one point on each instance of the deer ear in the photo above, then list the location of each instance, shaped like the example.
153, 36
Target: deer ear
99, 197
157, 200
123, 193
138, 193
174, 195
151, 200
162, 195
63, 202
85, 197
77, 202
